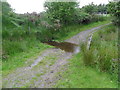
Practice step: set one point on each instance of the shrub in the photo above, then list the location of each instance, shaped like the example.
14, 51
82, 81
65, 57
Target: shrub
83, 17
96, 18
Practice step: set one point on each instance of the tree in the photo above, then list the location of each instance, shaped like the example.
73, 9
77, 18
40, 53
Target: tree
101, 8
8, 16
6, 10
63, 11
82, 17
91, 8
114, 10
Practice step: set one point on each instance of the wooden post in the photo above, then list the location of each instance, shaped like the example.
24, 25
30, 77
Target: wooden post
89, 42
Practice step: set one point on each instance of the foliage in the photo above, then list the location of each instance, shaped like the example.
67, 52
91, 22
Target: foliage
92, 13
18, 41
6, 10
91, 8
114, 10
8, 16
32, 19
69, 12
103, 51
82, 17
96, 18
79, 76
63, 11
102, 8
85, 18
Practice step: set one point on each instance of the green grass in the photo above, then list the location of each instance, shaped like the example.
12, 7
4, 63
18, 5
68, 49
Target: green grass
103, 53
80, 76
19, 46
48, 60
19, 59
94, 68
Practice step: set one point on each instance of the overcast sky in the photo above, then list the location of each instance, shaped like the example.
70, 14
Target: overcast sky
24, 6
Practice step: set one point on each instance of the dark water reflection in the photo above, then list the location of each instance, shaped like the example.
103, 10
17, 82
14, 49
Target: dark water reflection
66, 46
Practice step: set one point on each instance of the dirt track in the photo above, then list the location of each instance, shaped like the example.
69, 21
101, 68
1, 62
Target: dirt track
44, 71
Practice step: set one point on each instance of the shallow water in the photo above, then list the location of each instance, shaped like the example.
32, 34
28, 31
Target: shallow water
66, 46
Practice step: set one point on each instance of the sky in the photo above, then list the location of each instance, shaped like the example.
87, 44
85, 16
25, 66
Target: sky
24, 6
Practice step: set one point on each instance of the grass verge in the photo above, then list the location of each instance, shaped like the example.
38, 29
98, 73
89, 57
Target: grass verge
97, 67
80, 76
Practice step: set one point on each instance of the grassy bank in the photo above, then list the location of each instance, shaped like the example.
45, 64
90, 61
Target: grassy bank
103, 53
19, 45
94, 68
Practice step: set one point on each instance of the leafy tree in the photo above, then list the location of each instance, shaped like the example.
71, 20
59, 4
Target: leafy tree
91, 8
101, 8
82, 17
6, 10
114, 10
8, 16
63, 11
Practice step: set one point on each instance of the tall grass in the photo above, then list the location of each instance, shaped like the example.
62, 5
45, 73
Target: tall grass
103, 53
19, 46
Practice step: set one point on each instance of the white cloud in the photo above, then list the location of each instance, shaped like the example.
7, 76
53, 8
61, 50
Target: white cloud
24, 6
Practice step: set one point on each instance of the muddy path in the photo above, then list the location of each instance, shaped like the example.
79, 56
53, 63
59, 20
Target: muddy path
44, 71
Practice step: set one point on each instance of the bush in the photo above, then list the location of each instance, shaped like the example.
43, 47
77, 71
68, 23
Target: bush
83, 17
96, 18
45, 35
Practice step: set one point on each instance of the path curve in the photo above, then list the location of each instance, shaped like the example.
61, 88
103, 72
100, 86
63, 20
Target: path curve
45, 75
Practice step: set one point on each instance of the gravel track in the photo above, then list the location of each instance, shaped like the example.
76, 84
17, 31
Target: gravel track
45, 75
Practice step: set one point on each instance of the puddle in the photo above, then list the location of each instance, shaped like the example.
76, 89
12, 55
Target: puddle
66, 46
